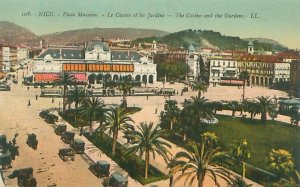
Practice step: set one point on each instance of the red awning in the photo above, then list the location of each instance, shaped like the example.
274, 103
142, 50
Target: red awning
80, 77
45, 77
232, 82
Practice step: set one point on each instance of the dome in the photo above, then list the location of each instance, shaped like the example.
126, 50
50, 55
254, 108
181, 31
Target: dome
250, 42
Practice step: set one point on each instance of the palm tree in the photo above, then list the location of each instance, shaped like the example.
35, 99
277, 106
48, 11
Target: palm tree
118, 119
210, 139
187, 122
91, 107
216, 105
147, 141
199, 160
281, 162
77, 96
241, 152
66, 80
264, 106
200, 86
244, 75
125, 87
199, 107
251, 107
233, 105
171, 113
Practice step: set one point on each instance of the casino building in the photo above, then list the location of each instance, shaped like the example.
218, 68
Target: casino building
93, 64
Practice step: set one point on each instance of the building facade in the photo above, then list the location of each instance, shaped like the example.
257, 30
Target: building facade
95, 63
9, 57
223, 70
295, 78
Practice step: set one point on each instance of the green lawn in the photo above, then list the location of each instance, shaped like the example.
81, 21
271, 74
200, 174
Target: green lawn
262, 138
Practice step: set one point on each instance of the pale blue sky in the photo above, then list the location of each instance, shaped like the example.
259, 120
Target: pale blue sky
279, 19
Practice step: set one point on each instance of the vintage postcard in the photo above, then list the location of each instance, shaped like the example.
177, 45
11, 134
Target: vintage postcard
150, 93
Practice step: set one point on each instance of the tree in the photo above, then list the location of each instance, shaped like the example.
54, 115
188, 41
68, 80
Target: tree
187, 122
66, 80
77, 96
148, 141
215, 106
118, 119
91, 107
199, 160
210, 139
251, 107
241, 152
264, 106
125, 87
199, 107
171, 113
281, 162
200, 86
244, 75
233, 105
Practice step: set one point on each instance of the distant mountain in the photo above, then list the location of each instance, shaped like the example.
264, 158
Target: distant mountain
205, 38
15, 34
82, 35
265, 40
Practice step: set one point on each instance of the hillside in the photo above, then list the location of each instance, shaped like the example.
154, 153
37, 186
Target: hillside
265, 40
82, 35
15, 34
204, 38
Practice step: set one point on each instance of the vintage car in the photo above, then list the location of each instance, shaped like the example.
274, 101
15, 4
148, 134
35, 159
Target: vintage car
67, 137
4, 87
5, 160
116, 180
3, 143
66, 154
25, 177
100, 168
32, 141
78, 146
60, 129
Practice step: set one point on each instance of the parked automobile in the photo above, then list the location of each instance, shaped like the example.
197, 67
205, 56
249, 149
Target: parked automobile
67, 137
5, 160
78, 146
32, 141
100, 168
61, 128
117, 180
66, 154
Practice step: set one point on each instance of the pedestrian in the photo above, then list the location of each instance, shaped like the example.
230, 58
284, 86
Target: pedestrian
155, 110
147, 97
27, 88
52, 100
36, 97
28, 102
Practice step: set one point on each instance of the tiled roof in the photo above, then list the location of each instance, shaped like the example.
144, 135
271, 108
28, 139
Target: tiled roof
125, 55
260, 58
92, 45
63, 53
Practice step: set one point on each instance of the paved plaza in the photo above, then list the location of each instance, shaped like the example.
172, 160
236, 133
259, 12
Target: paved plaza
49, 169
